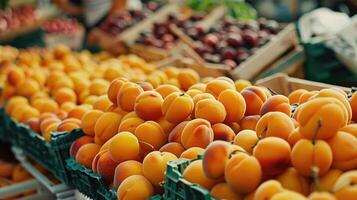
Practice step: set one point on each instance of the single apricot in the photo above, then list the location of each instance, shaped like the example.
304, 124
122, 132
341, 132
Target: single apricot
202, 96
154, 166
194, 173
124, 146
106, 167
306, 96
65, 95
197, 133
107, 126
130, 124
217, 86
166, 89
210, 110
15, 102
114, 89
292, 180
294, 137
254, 98
276, 103
127, 95
86, 154
345, 187
102, 103
177, 107
194, 92
173, 147
249, 122
148, 105
156, 137
273, 154
268, 189
234, 104
175, 134
247, 139
223, 132
15, 76
135, 187
98, 87
27, 88
88, 121
187, 78
274, 124
223, 191
192, 153
307, 154
78, 143
125, 170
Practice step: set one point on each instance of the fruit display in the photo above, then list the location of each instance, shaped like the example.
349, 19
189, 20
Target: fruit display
117, 23
161, 35
231, 42
14, 18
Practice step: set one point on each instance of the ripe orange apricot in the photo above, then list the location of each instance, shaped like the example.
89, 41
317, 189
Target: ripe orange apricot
321, 118
199, 97
124, 146
125, 170
88, 121
249, 122
350, 128
27, 88
223, 191
268, 189
15, 102
193, 92
197, 133
175, 134
194, 173
135, 187
210, 110
254, 98
156, 137
345, 187
246, 139
78, 111
102, 103
292, 180
114, 88
295, 95
86, 154
154, 166
307, 154
306, 96
237, 168
148, 105
130, 124
234, 104
275, 124
98, 87
106, 126
192, 153
15, 76
273, 154
217, 86
177, 107
187, 78
165, 125
45, 105
65, 95
174, 148
167, 89
276, 103
127, 95
294, 137
78, 143
223, 132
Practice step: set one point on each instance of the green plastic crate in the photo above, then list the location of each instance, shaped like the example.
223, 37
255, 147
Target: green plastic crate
177, 188
91, 184
52, 155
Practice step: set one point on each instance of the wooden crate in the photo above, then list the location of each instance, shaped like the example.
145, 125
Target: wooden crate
283, 84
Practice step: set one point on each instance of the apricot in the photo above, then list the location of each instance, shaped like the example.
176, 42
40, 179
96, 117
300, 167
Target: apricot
268, 189
126, 169
307, 154
80, 84
345, 187
246, 139
223, 191
39, 95
34, 124
114, 88
102, 103
107, 126
67, 126
171, 72
106, 167
286, 194
45, 105
321, 118
154, 166
166, 126
98, 87
254, 98
89, 120
86, 154
166, 89
215, 158
210, 110
350, 128
197, 133
15, 102
249, 122
145, 85
27, 88
20, 174
116, 109
192, 153
156, 137
148, 105
187, 78
63, 82
321, 196
344, 151
241, 84
29, 112
15, 76
234, 104
65, 95
129, 115
295, 95
202, 96
8, 92
78, 111
294, 137
67, 106
194, 173
135, 187
193, 92
78, 143
177, 107
175, 134
353, 103
306, 96
327, 181
217, 86
278, 103
292, 180
274, 124
199, 86
273, 154
124, 146
130, 124
174, 148
223, 132
236, 170
127, 95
